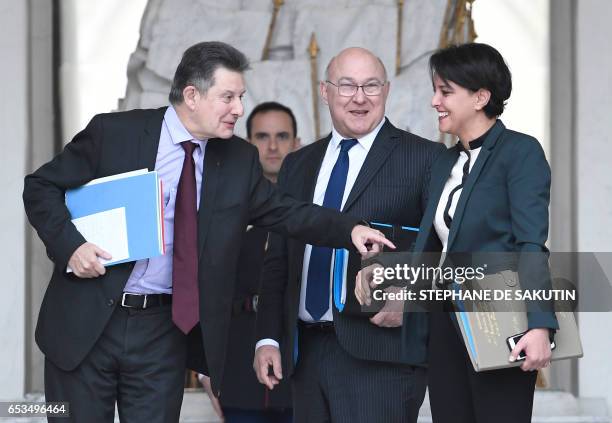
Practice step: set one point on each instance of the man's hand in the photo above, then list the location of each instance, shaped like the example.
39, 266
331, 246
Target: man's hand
363, 283
362, 235
214, 401
266, 356
84, 261
536, 345
392, 313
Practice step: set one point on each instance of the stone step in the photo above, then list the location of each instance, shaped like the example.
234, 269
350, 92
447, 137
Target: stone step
549, 407
553, 407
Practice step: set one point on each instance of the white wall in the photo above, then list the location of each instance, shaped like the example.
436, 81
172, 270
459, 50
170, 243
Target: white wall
519, 29
594, 185
97, 39
13, 142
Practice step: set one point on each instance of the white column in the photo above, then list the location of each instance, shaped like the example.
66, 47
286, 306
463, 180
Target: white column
524, 43
594, 184
97, 39
13, 144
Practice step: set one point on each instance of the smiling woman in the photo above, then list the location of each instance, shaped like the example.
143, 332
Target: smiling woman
471, 84
463, 88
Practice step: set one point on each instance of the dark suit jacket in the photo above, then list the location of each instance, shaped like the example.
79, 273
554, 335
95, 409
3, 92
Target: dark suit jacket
234, 193
240, 386
503, 208
391, 188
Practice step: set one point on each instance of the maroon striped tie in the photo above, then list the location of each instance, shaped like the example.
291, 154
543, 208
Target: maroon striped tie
185, 297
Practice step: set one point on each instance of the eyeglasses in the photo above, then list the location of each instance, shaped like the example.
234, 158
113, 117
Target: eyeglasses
349, 90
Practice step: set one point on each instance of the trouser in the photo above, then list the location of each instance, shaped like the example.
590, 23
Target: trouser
237, 415
330, 385
458, 394
138, 363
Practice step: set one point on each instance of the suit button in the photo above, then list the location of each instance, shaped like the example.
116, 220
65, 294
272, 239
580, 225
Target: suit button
110, 302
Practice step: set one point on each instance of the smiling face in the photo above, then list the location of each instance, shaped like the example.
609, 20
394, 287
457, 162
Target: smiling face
358, 115
214, 114
460, 111
272, 134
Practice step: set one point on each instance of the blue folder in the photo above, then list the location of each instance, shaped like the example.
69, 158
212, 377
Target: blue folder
140, 194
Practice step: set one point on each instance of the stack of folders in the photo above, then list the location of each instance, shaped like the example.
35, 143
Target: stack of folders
122, 214
486, 326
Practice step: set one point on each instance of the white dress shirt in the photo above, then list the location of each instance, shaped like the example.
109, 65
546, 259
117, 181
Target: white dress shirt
453, 181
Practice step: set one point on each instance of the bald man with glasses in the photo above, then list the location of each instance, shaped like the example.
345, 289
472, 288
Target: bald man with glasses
345, 368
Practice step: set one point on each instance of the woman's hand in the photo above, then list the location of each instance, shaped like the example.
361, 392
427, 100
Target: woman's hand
536, 345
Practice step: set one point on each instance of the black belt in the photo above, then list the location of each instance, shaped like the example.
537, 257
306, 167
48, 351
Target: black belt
142, 301
317, 326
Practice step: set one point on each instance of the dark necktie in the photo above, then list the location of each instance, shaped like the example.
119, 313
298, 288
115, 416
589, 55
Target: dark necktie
466, 171
185, 297
317, 288
477, 143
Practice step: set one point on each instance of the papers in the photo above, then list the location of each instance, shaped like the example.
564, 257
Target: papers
116, 177
123, 212
94, 229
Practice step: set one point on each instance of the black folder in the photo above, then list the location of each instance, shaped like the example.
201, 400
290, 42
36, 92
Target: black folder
345, 270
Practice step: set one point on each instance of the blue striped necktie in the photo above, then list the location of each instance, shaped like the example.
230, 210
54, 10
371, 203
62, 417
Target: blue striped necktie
318, 280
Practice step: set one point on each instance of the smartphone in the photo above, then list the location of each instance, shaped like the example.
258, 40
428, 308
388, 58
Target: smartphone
513, 340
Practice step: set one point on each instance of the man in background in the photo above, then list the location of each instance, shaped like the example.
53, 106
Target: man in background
272, 128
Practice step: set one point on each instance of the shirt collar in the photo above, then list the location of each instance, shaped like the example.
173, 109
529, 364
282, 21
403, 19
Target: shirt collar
476, 143
365, 142
176, 129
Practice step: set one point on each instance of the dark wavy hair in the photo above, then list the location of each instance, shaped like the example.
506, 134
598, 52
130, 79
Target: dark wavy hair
474, 66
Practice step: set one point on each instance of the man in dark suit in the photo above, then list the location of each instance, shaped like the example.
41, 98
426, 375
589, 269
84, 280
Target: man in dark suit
125, 333
349, 368
272, 128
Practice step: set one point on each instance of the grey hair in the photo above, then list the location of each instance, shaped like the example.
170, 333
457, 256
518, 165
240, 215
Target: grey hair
199, 63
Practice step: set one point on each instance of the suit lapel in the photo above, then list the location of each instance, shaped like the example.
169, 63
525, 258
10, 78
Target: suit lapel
149, 141
383, 145
472, 178
210, 178
313, 164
